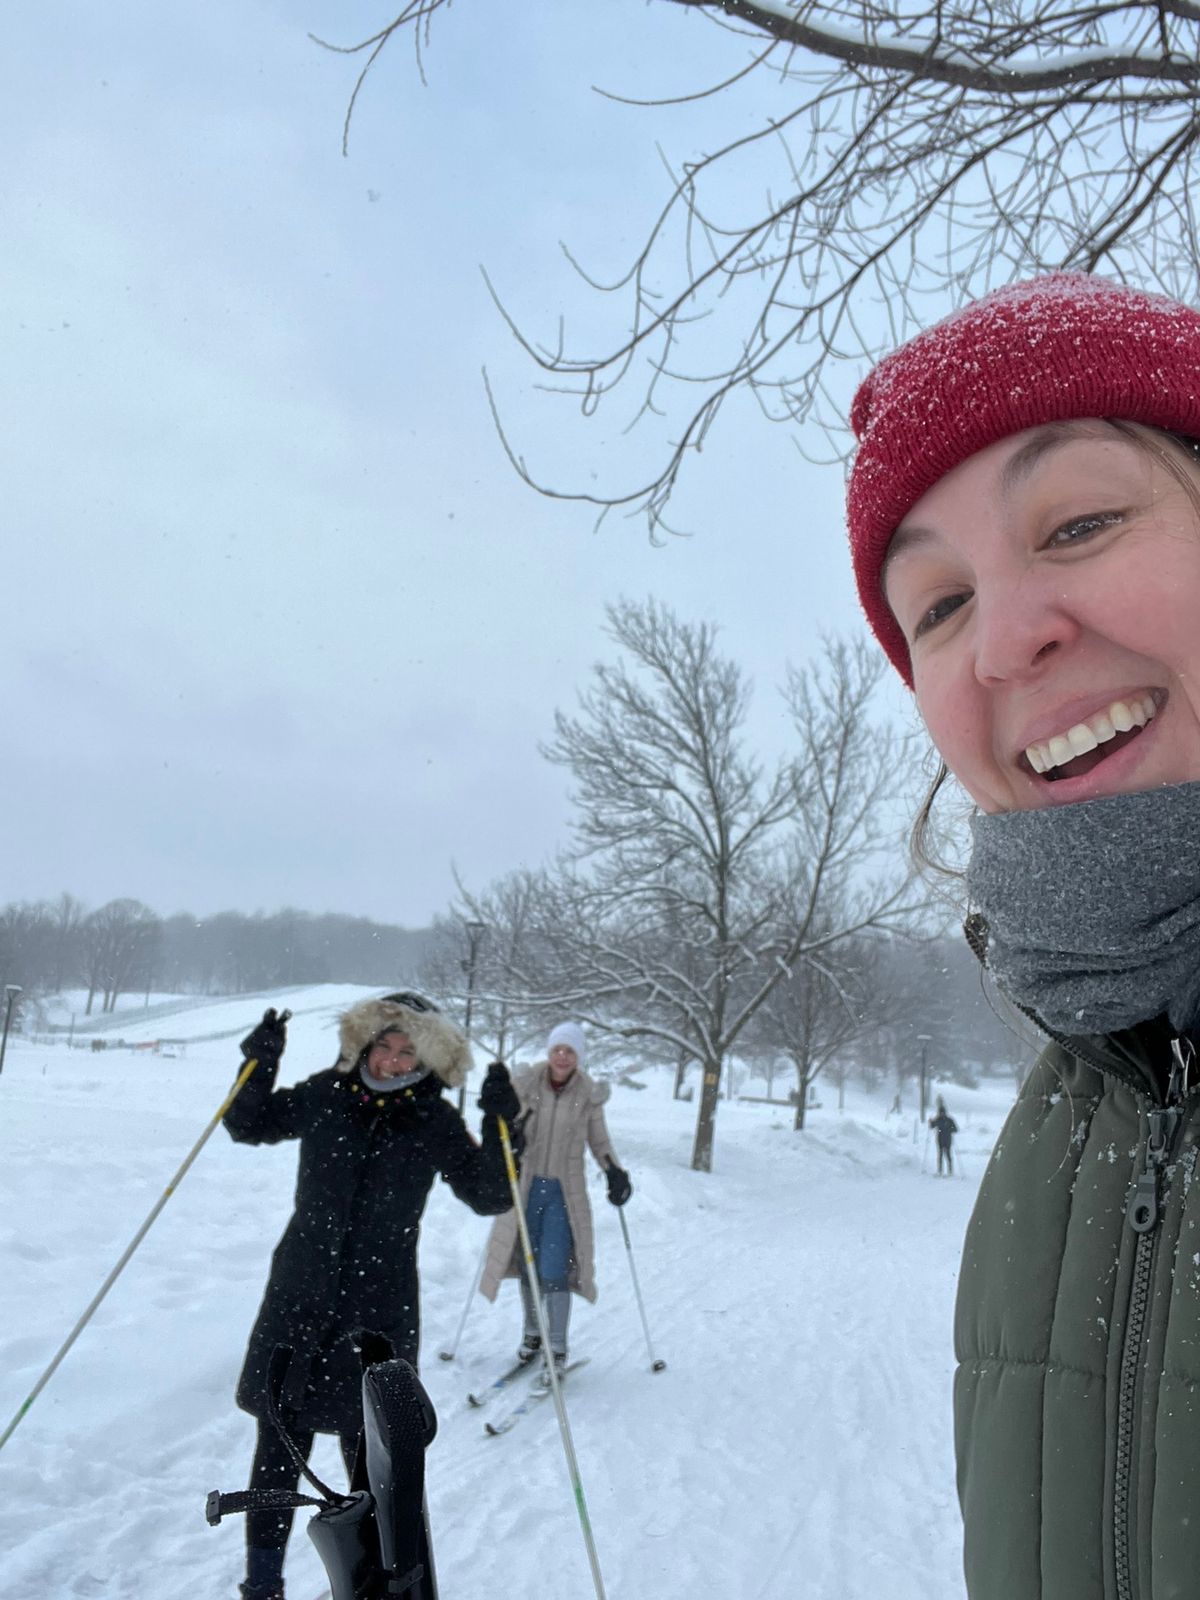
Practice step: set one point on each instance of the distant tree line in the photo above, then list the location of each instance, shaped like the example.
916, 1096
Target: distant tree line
123, 947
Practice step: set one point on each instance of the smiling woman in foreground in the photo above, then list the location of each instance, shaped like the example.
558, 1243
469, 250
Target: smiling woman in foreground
1024, 513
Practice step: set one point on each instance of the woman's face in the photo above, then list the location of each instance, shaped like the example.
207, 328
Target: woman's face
391, 1055
563, 1062
1049, 590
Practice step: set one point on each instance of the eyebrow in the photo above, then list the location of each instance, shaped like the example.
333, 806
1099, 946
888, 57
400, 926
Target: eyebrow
1022, 462
904, 539
1019, 466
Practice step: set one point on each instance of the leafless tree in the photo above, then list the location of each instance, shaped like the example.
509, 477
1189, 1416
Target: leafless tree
26, 941
937, 1010
699, 877
887, 160
505, 940
66, 914
811, 1016
120, 941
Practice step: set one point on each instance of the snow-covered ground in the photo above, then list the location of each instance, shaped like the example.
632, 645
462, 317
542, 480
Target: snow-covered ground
798, 1442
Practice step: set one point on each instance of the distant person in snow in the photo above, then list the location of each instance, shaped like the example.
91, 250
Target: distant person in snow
1024, 514
944, 1127
562, 1109
374, 1132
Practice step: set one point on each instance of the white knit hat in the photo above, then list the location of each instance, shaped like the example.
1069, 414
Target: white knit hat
571, 1034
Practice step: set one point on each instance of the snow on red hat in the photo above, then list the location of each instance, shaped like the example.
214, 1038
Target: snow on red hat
1052, 349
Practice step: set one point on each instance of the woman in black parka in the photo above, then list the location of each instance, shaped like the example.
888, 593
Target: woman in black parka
375, 1130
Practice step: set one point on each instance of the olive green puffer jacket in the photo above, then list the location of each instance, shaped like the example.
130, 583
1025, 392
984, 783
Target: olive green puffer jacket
1077, 1398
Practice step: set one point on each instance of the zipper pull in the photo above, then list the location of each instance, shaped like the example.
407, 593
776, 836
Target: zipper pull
1183, 1058
1142, 1211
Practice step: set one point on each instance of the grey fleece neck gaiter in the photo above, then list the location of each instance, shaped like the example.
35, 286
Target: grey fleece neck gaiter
403, 1080
1093, 910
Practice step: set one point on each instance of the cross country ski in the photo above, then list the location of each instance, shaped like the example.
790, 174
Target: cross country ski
538, 1392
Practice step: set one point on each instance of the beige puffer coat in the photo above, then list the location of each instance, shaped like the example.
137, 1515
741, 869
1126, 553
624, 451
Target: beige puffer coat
556, 1130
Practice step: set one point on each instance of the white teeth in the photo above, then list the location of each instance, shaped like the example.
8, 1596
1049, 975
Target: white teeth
1119, 717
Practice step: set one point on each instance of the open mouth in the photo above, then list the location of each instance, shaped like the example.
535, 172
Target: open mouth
1081, 748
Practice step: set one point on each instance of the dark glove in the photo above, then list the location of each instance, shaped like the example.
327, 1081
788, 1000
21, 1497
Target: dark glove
265, 1044
619, 1186
498, 1098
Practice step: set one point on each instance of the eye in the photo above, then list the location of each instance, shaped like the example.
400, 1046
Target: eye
938, 612
1080, 528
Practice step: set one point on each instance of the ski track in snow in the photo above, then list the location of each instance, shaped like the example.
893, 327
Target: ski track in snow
798, 1442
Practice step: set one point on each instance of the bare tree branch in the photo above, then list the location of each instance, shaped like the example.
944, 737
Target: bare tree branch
890, 158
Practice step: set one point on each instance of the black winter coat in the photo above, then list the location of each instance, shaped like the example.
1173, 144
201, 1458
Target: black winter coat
348, 1257
945, 1127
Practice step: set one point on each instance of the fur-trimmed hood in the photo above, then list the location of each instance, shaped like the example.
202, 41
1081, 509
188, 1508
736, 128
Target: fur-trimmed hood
440, 1044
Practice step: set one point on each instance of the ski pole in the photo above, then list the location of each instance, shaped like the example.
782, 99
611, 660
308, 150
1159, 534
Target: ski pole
133, 1244
655, 1366
564, 1427
449, 1355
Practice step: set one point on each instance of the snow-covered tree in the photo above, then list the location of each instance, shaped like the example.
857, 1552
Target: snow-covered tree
472, 953
700, 877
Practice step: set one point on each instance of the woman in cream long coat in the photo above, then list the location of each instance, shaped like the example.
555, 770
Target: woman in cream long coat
562, 1110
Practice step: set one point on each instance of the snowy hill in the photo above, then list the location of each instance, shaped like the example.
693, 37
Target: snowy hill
798, 1442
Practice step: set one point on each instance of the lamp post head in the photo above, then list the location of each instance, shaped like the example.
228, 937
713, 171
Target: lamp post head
12, 990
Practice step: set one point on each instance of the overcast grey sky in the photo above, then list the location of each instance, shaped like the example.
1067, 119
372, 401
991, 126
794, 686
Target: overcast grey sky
281, 625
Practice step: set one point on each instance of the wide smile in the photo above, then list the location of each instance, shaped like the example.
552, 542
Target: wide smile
1079, 749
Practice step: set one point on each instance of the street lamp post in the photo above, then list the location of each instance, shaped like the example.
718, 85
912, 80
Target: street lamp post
11, 991
923, 1040
475, 931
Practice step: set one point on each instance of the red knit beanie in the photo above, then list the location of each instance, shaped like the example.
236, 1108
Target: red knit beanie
1060, 347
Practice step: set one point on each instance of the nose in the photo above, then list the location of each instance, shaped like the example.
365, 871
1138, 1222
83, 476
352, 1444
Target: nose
1018, 627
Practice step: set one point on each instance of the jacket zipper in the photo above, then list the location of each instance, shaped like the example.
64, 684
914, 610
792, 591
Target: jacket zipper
1142, 1214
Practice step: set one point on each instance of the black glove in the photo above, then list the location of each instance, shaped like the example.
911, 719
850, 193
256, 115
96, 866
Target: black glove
498, 1098
619, 1186
265, 1044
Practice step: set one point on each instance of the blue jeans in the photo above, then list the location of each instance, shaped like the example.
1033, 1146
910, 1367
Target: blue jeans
550, 1233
